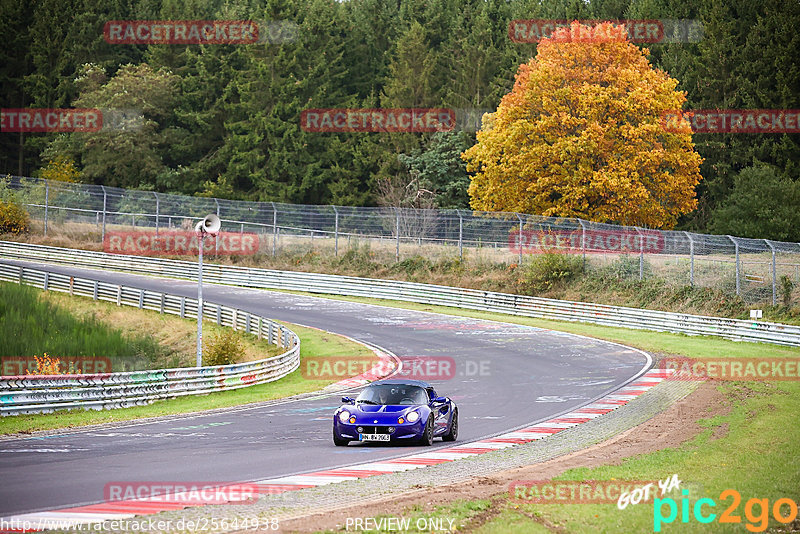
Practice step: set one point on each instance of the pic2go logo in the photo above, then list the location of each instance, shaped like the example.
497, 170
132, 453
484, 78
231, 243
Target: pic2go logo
758, 522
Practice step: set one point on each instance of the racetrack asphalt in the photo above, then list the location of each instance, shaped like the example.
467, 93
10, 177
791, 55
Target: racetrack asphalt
505, 376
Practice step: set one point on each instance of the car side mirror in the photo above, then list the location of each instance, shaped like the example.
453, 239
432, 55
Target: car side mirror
439, 400
348, 400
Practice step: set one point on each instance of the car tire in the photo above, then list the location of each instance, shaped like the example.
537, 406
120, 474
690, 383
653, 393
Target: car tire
427, 434
339, 442
452, 434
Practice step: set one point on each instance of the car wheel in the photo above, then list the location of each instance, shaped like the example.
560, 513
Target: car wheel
339, 442
452, 434
427, 434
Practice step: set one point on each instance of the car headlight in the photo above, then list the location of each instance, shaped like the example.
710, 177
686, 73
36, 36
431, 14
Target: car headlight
343, 416
412, 417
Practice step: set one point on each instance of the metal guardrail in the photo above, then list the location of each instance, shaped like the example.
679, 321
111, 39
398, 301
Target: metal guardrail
735, 329
47, 393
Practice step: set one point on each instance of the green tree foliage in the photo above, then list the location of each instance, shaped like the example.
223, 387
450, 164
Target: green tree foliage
763, 204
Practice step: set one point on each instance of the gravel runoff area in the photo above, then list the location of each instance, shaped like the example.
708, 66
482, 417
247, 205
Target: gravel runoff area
301, 503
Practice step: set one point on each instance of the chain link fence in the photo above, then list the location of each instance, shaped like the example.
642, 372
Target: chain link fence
759, 270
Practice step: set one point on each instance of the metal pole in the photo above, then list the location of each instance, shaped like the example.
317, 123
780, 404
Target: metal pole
200, 302
583, 243
641, 254
46, 202
157, 209
691, 259
774, 275
336, 233
460, 235
735, 244
274, 228
216, 240
519, 241
103, 238
397, 231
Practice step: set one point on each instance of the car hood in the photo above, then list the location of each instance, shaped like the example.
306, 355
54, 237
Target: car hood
387, 408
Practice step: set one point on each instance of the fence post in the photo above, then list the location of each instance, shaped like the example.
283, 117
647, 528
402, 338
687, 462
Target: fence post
157, 210
460, 235
774, 274
46, 202
274, 228
691, 259
519, 241
641, 253
735, 244
583, 243
216, 238
336, 232
397, 231
105, 197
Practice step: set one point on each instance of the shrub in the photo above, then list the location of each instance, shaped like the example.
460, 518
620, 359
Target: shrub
550, 269
13, 219
786, 290
224, 348
627, 266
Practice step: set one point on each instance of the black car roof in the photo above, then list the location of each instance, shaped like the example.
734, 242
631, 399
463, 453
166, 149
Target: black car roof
405, 382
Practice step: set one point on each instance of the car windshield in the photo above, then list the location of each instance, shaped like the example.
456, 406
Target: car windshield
393, 394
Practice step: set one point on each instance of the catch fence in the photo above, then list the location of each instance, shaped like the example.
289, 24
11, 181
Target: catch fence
759, 270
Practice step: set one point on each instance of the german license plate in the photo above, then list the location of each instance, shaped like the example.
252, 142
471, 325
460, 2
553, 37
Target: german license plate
374, 437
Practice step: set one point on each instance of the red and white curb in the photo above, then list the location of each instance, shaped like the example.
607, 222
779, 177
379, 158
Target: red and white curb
114, 510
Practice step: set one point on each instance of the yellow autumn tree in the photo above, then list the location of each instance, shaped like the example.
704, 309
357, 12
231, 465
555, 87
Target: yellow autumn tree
581, 135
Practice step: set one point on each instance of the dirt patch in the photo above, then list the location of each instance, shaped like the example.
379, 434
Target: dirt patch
668, 429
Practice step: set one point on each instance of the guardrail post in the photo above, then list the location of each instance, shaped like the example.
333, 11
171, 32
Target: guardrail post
46, 202
119, 295
460, 235
774, 274
161, 309
235, 319
735, 244
183, 307
336, 232
519, 241
72, 286
21, 274
95, 290
46, 281
247, 323
219, 315
691, 259
260, 325
105, 199
270, 333
157, 210
274, 228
